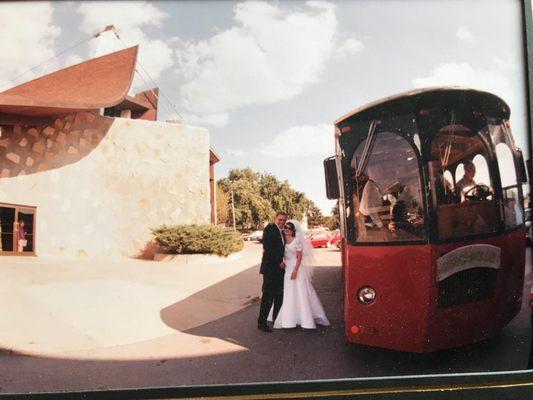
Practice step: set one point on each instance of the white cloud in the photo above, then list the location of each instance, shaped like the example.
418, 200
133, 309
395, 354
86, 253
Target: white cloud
301, 141
507, 64
502, 78
98, 14
27, 34
269, 55
216, 120
129, 18
299, 152
463, 74
349, 47
235, 152
464, 35
73, 59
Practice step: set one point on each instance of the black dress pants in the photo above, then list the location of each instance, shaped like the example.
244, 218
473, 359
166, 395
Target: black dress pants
272, 293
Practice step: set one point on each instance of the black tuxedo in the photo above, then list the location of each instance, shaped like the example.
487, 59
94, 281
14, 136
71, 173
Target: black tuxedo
273, 250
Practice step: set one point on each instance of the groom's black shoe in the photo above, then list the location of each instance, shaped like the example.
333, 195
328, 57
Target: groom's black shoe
264, 328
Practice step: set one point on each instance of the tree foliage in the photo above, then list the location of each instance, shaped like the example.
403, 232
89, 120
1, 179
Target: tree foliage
315, 217
332, 221
258, 197
223, 206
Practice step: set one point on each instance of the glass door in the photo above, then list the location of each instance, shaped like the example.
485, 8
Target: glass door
17, 230
7, 230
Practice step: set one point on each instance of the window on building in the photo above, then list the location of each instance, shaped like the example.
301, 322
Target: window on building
111, 112
7, 223
17, 230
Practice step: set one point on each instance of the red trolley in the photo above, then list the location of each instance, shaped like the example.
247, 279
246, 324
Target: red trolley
429, 185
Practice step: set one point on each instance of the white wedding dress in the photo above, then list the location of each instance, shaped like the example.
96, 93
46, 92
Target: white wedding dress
301, 305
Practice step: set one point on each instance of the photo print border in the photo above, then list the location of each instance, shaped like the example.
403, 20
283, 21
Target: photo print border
499, 385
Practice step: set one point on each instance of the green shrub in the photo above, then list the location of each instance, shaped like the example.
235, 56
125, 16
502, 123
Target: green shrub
198, 239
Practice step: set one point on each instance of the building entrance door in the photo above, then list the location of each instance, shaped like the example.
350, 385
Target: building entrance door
17, 229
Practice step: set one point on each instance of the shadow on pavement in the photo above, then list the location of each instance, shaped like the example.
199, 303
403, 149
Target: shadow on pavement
218, 300
324, 354
229, 296
284, 355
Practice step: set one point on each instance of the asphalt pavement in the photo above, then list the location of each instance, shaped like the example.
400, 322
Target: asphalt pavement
212, 335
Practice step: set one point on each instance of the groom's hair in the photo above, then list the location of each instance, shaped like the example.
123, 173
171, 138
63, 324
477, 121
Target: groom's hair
281, 213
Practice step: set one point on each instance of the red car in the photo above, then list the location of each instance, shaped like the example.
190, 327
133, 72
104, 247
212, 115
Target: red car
320, 239
335, 237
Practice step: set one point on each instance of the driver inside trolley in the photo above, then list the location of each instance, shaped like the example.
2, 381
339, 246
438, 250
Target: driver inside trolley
467, 182
465, 207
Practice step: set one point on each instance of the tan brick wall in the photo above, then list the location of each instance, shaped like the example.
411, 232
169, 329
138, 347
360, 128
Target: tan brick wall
100, 184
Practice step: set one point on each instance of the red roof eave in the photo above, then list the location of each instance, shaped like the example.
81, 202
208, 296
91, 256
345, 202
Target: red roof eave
97, 83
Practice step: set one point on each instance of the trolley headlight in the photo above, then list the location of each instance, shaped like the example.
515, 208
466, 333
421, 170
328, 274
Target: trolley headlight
366, 295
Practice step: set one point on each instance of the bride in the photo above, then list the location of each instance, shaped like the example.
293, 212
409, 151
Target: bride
301, 305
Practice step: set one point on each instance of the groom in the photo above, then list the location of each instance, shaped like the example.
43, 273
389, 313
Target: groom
272, 268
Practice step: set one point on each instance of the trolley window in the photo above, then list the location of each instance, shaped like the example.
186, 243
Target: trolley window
464, 206
385, 190
512, 208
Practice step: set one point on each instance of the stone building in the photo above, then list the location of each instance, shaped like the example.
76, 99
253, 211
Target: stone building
90, 170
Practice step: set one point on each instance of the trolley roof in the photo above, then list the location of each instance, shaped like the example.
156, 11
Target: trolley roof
415, 100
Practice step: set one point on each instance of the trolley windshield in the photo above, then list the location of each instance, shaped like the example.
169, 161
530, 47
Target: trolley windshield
429, 167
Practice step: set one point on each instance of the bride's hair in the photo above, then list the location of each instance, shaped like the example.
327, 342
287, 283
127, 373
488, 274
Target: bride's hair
304, 243
291, 227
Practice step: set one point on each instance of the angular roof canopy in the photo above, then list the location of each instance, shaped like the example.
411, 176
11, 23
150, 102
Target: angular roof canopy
93, 84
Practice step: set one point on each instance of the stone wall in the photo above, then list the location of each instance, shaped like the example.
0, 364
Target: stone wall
27, 150
100, 184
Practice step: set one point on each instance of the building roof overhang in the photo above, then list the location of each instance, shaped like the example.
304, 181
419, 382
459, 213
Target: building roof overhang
97, 83
139, 102
213, 156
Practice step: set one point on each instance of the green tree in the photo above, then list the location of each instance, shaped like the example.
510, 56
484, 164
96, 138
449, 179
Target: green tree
251, 210
258, 197
332, 221
315, 217
223, 206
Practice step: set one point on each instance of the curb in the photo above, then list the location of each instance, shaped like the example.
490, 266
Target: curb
184, 259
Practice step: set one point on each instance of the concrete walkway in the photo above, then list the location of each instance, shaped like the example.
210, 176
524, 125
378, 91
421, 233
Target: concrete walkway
83, 308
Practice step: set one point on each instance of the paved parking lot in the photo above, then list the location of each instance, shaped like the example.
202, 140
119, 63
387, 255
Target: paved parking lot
54, 306
89, 324
208, 334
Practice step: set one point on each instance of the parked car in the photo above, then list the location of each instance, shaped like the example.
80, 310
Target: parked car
335, 237
529, 227
255, 235
320, 239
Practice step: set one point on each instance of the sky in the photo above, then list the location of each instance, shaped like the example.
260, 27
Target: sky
267, 79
